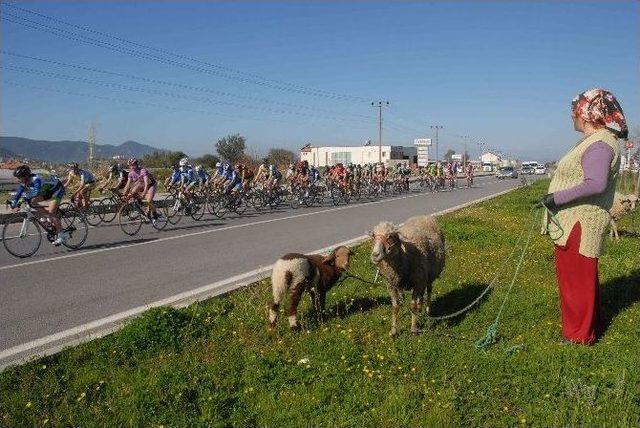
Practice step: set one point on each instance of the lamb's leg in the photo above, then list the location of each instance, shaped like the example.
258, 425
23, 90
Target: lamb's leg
393, 292
614, 229
295, 294
428, 308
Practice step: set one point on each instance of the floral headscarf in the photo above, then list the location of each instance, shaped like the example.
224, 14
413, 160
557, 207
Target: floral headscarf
599, 106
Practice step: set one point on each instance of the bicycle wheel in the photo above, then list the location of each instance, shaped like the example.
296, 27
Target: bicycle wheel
108, 210
159, 222
197, 207
78, 231
240, 204
22, 239
172, 209
130, 218
93, 213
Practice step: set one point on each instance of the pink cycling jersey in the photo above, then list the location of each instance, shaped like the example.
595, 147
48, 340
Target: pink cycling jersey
139, 176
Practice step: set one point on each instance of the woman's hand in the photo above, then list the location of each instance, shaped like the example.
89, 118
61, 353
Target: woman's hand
547, 201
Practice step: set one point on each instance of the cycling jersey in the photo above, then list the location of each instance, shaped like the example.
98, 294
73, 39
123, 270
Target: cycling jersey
45, 185
86, 177
175, 178
202, 176
140, 174
314, 175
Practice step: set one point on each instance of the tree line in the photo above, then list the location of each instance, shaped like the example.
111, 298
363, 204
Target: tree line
230, 148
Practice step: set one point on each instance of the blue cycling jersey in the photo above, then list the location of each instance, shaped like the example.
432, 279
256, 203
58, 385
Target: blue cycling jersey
219, 171
38, 185
203, 176
176, 177
86, 176
188, 176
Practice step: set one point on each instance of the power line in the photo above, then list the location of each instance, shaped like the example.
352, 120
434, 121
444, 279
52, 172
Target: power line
163, 93
191, 58
144, 55
142, 103
176, 85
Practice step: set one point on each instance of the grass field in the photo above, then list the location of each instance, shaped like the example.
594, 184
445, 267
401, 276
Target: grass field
216, 364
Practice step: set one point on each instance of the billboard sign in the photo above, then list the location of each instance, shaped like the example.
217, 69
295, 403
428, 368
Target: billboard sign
422, 142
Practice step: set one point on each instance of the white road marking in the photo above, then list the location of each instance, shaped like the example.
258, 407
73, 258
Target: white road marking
204, 232
79, 333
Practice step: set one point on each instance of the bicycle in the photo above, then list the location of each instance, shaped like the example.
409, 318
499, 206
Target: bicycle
132, 214
109, 206
23, 238
91, 212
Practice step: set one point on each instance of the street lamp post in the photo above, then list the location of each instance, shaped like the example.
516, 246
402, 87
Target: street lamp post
379, 105
436, 127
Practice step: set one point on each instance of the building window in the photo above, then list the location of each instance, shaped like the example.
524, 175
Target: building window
384, 154
340, 157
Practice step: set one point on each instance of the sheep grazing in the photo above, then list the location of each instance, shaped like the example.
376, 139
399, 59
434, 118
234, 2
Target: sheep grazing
622, 205
298, 272
410, 257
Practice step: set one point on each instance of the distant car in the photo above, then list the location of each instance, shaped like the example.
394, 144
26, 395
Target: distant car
540, 170
506, 172
526, 170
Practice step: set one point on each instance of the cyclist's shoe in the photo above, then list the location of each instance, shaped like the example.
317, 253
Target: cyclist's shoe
61, 239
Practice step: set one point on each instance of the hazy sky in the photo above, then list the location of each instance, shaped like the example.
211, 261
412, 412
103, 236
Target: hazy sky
285, 74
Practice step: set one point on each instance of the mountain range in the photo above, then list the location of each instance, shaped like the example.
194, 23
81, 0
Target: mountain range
69, 151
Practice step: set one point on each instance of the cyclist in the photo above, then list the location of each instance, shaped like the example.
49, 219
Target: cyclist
41, 187
116, 171
469, 173
188, 179
274, 176
175, 178
202, 177
234, 183
87, 183
140, 183
263, 171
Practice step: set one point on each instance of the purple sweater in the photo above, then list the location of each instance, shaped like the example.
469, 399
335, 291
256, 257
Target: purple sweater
596, 162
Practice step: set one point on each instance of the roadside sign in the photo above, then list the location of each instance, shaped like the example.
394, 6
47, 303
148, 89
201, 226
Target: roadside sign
456, 157
422, 142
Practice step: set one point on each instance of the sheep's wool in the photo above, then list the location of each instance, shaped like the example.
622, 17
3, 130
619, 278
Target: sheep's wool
592, 212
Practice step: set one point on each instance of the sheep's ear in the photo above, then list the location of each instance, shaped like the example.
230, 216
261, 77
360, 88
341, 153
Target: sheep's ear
370, 233
330, 258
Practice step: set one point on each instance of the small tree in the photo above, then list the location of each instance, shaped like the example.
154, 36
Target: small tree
207, 161
231, 147
449, 154
280, 156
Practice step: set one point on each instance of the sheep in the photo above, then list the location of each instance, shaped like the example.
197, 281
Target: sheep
410, 257
296, 273
622, 205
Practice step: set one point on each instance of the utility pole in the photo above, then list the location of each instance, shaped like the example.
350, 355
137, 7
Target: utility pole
92, 143
466, 139
379, 105
436, 127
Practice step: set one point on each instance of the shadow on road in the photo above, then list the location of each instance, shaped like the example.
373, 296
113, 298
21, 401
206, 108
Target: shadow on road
617, 295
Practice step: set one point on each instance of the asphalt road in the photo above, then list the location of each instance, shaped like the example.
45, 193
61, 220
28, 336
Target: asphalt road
60, 297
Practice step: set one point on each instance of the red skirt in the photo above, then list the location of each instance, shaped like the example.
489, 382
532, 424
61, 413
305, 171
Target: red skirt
579, 290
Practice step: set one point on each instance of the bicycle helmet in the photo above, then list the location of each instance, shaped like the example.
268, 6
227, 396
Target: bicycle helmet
198, 168
74, 165
239, 166
184, 161
133, 161
218, 164
114, 168
22, 171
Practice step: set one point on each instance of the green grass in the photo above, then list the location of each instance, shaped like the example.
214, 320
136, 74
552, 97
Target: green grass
216, 364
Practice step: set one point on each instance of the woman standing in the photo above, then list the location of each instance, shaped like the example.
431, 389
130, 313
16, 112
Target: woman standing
580, 195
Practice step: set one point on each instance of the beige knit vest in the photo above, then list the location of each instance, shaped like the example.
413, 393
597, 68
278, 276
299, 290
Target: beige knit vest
592, 212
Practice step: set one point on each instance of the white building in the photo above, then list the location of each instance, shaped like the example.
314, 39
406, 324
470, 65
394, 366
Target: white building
331, 155
490, 158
